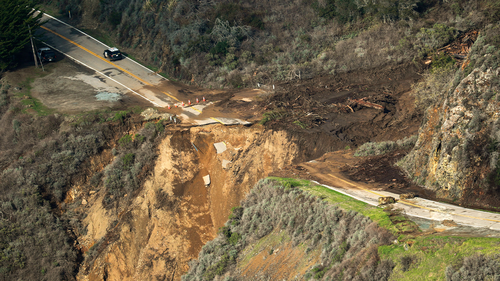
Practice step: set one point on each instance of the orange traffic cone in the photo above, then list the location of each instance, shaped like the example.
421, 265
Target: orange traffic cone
189, 102
169, 106
197, 101
203, 98
182, 104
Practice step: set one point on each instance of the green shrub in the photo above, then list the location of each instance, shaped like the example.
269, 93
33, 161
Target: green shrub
128, 160
120, 116
270, 116
476, 267
125, 140
378, 148
339, 235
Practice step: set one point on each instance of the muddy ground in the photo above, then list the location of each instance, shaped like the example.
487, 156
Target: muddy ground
318, 113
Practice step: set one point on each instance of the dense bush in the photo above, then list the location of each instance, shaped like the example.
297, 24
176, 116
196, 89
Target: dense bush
476, 267
133, 158
348, 240
378, 148
34, 242
41, 158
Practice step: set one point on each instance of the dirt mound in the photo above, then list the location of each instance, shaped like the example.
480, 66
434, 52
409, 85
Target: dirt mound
319, 105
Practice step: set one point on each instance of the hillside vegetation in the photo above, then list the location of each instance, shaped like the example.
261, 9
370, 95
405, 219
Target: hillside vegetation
457, 151
42, 156
242, 43
336, 243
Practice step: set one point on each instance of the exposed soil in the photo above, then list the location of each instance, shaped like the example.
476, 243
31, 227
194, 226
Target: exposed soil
319, 115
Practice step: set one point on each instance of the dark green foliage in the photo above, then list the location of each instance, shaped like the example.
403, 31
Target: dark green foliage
17, 19
442, 61
125, 140
476, 267
234, 12
134, 157
220, 48
33, 239
115, 18
270, 116
495, 177
347, 240
120, 116
345, 11
36, 174
406, 262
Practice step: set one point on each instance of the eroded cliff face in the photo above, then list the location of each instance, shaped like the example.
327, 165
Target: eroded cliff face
153, 232
456, 154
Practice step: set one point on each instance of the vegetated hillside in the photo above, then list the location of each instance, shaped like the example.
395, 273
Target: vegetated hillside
338, 244
288, 229
242, 43
95, 195
457, 151
43, 156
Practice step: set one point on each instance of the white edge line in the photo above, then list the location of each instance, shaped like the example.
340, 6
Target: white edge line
412, 215
345, 193
102, 74
100, 43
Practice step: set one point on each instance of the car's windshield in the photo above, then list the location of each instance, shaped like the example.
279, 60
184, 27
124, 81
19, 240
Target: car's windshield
115, 53
47, 54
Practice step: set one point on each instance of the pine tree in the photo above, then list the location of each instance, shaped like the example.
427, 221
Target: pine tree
17, 17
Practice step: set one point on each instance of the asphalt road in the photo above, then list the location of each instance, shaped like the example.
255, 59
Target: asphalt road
416, 207
125, 74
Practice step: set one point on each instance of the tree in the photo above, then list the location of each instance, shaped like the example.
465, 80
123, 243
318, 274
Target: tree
17, 19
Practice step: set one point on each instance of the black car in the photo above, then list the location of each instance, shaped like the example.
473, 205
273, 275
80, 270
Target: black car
113, 54
46, 54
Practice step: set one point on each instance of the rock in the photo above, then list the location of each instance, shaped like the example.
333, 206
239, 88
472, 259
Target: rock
206, 179
386, 200
84, 202
220, 147
225, 163
153, 114
407, 195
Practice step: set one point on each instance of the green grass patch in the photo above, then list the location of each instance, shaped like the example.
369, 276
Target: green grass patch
431, 255
29, 101
347, 203
290, 182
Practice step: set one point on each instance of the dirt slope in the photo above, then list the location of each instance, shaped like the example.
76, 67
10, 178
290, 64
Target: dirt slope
175, 214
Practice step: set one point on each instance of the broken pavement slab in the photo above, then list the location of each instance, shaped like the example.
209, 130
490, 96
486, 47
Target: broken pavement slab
225, 163
222, 120
206, 179
220, 147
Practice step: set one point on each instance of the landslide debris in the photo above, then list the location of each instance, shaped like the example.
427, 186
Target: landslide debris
154, 230
318, 106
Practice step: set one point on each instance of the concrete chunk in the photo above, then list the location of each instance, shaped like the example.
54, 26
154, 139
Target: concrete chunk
220, 147
206, 179
225, 163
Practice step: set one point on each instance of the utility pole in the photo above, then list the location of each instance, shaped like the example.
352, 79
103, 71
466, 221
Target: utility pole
33, 47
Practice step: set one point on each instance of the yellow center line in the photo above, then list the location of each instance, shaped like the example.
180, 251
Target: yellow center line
402, 201
96, 55
118, 67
